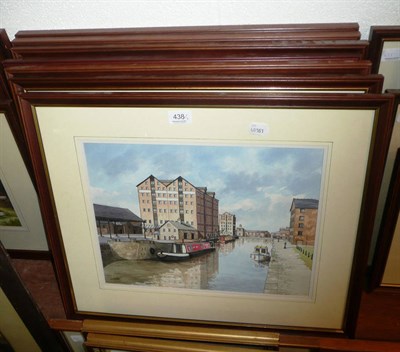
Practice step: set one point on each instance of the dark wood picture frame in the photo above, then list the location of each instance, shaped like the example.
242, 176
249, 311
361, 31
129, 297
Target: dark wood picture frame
317, 50
119, 67
107, 343
5, 53
254, 29
387, 229
377, 37
260, 41
389, 215
381, 104
98, 75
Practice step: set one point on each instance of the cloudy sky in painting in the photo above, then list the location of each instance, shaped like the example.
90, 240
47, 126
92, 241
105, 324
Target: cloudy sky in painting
257, 184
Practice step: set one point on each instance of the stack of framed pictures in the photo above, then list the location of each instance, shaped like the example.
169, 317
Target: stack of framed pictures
22, 232
220, 177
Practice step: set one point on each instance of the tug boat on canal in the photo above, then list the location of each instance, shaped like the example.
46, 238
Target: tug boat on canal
181, 251
261, 254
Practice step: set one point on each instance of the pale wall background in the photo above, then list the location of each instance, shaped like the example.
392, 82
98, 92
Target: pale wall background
18, 15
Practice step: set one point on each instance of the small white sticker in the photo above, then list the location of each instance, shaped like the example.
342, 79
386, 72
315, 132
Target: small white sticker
259, 129
180, 117
390, 54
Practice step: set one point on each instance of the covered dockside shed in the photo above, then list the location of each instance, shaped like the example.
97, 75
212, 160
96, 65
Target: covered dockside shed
116, 222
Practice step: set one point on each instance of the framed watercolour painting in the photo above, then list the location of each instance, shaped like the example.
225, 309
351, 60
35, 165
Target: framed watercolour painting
391, 277
376, 255
384, 53
384, 267
21, 226
209, 207
9, 217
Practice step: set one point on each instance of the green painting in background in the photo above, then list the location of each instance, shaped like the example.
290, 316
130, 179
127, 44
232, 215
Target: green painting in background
8, 216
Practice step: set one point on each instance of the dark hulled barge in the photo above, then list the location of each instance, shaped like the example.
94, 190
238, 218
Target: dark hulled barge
181, 251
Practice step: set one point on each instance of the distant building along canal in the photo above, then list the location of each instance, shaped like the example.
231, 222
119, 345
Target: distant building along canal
303, 221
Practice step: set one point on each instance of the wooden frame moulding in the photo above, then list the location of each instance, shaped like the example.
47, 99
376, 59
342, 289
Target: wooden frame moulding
390, 213
105, 342
377, 37
5, 53
192, 74
122, 75
176, 331
339, 39
381, 104
388, 226
239, 50
349, 27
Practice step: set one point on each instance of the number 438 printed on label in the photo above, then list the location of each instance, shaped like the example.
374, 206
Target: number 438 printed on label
180, 117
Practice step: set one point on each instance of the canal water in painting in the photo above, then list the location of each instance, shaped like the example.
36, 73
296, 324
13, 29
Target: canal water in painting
229, 268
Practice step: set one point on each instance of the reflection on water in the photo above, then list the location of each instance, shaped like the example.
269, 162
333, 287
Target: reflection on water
228, 268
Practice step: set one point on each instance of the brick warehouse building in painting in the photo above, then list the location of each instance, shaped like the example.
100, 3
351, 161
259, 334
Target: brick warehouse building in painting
303, 221
178, 200
227, 224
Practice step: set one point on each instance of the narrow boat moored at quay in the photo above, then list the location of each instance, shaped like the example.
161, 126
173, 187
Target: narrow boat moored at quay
180, 251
